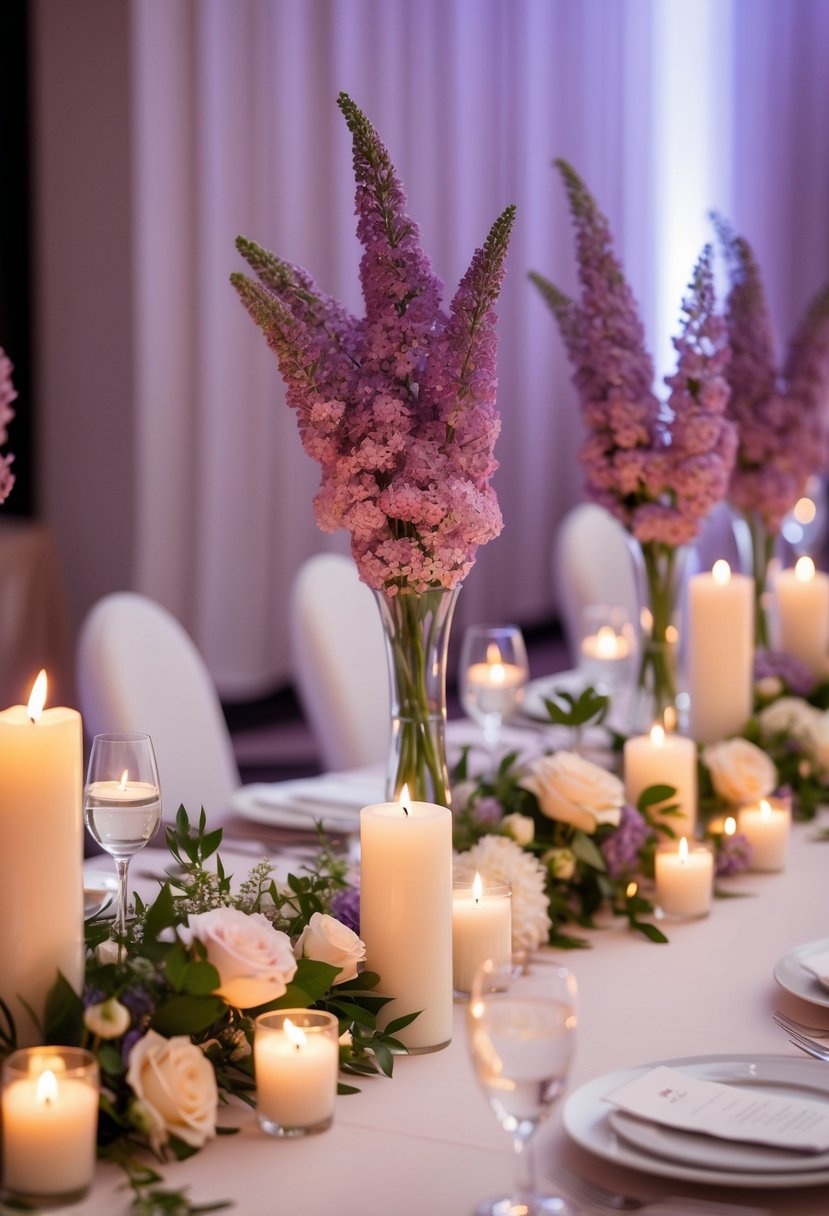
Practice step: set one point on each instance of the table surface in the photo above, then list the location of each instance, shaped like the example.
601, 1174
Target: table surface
426, 1142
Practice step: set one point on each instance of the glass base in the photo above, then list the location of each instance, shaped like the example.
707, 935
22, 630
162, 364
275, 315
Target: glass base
31, 1202
281, 1130
539, 1205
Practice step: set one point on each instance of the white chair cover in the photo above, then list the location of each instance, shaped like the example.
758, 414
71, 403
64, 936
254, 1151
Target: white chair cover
139, 670
339, 663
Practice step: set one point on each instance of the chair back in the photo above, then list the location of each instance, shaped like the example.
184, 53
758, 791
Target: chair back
139, 670
592, 565
339, 662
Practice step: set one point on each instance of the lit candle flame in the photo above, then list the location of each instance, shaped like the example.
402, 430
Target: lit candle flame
38, 698
493, 654
765, 809
804, 510
477, 888
683, 851
721, 572
607, 644
404, 798
122, 784
658, 735
730, 826
294, 1034
47, 1088
804, 569
631, 889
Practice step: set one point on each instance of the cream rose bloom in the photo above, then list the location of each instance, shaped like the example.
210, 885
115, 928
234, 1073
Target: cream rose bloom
520, 827
328, 940
255, 961
175, 1088
740, 771
572, 790
817, 742
788, 716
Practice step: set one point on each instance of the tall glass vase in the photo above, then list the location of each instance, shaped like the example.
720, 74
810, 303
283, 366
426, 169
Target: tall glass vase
659, 571
755, 547
416, 627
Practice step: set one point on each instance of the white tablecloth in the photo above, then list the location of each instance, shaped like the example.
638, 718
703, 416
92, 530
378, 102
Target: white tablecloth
425, 1142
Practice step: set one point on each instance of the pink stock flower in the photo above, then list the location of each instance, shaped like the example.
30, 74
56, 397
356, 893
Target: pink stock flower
398, 407
8, 394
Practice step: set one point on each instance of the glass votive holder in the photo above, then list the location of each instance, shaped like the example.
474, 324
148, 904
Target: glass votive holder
296, 1058
481, 929
607, 647
49, 1125
684, 873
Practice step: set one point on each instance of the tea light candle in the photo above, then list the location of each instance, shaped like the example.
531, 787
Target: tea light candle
767, 825
406, 914
664, 759
684, 879
802, 598
49, 1124
606, 645
495, 686
720, 653
481, 929
296, 1061
41, 859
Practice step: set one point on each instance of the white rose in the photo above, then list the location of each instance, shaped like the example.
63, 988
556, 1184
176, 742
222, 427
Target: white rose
788, 716
817, 741
328, 940
561, 863
255, 962
740, 771
175, 1088
108, 1020
769, 687
520, 827
572, 790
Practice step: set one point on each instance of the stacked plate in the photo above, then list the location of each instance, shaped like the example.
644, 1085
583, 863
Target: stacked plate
334, 800
669, 1153
794, 973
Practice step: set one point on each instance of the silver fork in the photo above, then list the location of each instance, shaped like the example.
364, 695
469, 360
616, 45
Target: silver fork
605, 1202
816, 1032
820, 1051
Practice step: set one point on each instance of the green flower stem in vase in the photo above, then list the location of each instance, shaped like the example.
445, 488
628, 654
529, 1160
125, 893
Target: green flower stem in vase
760, 551
416, 628
659, 569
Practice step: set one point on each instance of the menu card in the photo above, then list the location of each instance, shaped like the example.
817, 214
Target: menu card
666, 1096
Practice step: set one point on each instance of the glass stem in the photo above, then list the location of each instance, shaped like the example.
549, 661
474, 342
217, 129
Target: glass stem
122, 865
524, 1174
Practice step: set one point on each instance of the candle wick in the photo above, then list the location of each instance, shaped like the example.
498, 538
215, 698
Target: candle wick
405, 812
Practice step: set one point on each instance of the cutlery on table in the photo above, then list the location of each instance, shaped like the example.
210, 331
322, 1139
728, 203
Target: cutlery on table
816, 1032
820, 1051
604, 1201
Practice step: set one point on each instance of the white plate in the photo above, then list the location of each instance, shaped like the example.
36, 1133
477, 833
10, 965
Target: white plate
98, 891
334, 800
587, 1118
793, 976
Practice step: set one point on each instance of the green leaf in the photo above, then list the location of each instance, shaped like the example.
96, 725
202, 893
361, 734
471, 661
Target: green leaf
586, 850
187, 1014
63, 1015
384, 1058
175, 965
200, 978
654, 794
649, 931
161, 914
563, 941
342, 1088
400, 1023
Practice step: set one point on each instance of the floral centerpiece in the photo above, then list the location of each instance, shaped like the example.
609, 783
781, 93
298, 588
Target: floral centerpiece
658, 467
171, 1018
7, 395
398, 408
780, 414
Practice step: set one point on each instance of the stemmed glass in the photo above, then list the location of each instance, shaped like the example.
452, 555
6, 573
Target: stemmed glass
493, 673
521, 1040
122, 803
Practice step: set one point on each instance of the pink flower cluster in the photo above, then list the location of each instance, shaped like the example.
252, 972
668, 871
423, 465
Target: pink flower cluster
397, 407
7, 396
781, 418
658, 469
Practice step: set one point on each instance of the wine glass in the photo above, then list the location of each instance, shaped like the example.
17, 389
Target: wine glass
521, 1039
122, 803
493, 673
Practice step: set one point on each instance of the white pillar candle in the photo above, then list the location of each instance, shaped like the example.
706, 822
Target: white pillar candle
49, 1123
684, 879
767, 825
664, 759
406, 914
481, 929
296, 1061
41, 854
802, 599
720, 653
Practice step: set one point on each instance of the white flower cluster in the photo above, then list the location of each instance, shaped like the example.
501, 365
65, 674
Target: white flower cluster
802, 722
741, 772
499, 860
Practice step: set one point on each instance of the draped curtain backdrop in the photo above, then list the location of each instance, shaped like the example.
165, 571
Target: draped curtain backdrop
667, 108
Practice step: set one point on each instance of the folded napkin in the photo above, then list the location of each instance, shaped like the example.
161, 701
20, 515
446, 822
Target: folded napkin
818, 964
671, 1098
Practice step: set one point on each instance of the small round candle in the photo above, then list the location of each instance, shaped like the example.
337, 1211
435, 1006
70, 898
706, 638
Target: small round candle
684, 879
767, 826
296, 1060
481, 929
664, 759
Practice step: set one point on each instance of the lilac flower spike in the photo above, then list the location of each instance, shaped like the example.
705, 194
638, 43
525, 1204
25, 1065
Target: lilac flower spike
398, 407
8, 394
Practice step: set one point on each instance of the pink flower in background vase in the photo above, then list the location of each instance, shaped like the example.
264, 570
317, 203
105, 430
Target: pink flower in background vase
7, 396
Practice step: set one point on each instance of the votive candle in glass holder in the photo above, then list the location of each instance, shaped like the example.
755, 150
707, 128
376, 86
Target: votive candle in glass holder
481, 929
684, 879
49, 1125
296, 1060
606, 647
767, 826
